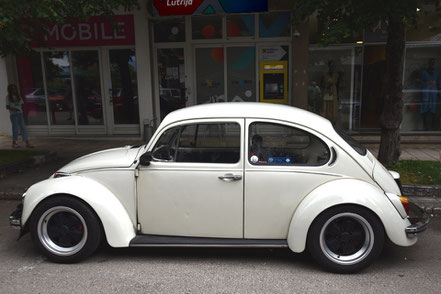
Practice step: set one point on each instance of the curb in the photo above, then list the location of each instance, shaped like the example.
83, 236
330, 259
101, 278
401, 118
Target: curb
19, 166
422, 190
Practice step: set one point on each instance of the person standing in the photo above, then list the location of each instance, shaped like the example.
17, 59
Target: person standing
13, 104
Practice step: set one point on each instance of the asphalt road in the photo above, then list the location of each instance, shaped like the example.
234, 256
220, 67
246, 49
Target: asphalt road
145, 270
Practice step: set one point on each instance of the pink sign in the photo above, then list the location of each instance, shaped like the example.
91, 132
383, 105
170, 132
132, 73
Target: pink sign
96, 31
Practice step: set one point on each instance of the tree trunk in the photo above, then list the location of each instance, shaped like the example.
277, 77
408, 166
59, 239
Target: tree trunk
392, 112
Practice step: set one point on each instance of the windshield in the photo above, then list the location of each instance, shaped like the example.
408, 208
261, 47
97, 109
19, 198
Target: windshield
354, 144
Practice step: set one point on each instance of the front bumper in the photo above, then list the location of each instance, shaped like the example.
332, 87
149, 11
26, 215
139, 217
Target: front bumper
419, 220
15, 217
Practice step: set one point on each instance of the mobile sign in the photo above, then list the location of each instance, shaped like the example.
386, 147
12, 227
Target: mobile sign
96, 31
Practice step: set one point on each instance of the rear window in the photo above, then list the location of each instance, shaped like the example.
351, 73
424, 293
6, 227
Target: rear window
354, 144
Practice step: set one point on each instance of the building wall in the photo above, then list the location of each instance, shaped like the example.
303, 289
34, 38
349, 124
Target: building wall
144, 64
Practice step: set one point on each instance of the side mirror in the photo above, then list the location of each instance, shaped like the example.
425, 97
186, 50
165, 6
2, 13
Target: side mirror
145, 158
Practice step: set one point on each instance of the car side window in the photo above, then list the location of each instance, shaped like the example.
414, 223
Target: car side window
209, 143
165, 148
275, 144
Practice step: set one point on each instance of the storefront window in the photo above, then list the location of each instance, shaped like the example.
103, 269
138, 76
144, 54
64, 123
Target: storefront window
87, 87
59, 87
275, 24
240, 25
241, 74
171, 75
206, 27
329, 89
170, 30
210, 75
32, 89
422, 89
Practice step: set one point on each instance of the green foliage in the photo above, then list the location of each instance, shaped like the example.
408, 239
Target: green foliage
9, 156
418, 172
24, 20
338, 19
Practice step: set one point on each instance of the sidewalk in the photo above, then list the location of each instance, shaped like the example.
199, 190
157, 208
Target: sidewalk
68, 149
75, 147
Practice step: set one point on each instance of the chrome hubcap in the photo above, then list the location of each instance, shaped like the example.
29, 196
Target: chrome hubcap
346, 238
62, 231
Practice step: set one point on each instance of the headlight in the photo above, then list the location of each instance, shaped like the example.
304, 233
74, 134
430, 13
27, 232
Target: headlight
60, 175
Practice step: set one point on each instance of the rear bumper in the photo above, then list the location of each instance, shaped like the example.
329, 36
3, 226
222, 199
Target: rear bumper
419, 220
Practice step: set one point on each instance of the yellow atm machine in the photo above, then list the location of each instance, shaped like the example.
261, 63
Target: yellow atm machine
274, 81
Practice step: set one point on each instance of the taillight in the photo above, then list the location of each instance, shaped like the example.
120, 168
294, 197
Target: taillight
405, 203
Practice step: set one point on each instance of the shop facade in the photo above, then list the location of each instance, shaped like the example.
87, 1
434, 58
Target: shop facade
88, 81
172, 54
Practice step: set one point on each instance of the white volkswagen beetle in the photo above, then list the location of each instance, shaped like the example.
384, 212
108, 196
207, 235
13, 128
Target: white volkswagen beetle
228, 175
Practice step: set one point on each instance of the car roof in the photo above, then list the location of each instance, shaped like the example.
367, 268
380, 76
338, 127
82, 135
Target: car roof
250, 110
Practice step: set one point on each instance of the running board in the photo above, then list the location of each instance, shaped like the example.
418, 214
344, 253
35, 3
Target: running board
175, 241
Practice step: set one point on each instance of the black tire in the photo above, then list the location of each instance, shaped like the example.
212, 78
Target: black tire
65, 229
346, 238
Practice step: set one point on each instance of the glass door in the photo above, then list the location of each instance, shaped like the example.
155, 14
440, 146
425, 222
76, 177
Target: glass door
87, 88
225, 74
74, 92
210, 77
241, 74
122, 108
171, 80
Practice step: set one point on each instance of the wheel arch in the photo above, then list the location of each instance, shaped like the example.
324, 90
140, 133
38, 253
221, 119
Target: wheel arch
117, 226
346, 192
57, 195
350, 204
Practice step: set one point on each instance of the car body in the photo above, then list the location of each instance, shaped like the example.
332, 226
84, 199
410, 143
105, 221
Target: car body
230, 175
36, 97
57, 101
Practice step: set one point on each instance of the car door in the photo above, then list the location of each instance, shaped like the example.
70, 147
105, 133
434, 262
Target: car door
194, 184
284, 163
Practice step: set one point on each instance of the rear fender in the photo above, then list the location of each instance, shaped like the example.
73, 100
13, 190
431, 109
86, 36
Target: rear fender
346, 191
118, 227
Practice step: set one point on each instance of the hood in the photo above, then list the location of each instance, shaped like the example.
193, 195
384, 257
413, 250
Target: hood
110, 158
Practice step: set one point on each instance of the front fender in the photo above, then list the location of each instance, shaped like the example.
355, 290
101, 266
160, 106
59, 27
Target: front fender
118, 227
346, 191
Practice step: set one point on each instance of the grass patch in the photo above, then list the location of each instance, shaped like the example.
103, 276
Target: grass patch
418, 172
9, 156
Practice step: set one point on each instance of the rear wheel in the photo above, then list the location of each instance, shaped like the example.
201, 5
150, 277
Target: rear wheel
346, 238
65, 229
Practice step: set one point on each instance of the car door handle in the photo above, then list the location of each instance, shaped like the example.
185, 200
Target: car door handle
230, 177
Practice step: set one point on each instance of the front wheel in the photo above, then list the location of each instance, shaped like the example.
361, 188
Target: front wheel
346, 238
65, 229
